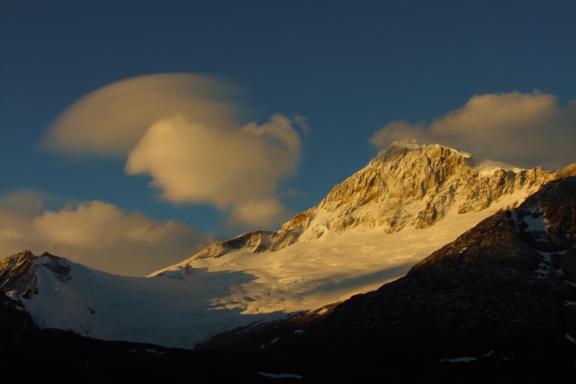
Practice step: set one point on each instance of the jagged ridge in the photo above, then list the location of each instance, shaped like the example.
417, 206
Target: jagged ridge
404, 186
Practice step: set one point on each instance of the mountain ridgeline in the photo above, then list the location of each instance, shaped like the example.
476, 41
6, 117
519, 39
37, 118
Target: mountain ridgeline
406, 185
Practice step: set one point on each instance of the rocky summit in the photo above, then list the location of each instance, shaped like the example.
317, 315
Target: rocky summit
406, 185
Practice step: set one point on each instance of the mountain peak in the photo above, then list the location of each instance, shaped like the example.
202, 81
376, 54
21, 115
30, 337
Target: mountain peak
399, 148
424, 151
19, 271
407, 185
419, 184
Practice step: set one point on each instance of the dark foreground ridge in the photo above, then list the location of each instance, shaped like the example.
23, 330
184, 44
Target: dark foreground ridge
499, 302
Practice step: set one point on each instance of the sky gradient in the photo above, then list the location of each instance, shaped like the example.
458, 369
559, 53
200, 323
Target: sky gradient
349, 68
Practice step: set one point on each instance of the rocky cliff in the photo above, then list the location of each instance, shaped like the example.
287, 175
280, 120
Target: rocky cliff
406, 185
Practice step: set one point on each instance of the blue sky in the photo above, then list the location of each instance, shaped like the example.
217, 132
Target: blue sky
348, 67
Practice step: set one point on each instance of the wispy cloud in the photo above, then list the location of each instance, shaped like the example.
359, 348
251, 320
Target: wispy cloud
95, 233
181, 130
111, 120
527, 129
234, 169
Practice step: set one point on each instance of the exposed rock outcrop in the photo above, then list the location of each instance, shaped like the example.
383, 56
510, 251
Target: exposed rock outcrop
407, 185
18, 272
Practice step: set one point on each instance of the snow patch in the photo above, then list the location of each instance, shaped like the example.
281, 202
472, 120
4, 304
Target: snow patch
322, 311
280, 375
489, 353
488, 167
463, 359
545, 265
535, 223
310, 274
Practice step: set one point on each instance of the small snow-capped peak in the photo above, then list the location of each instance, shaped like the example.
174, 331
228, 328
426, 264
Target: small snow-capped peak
56, 264
18, 272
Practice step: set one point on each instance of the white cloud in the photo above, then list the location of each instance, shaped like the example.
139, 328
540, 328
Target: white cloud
96, 234
398, 131
235, 169
110, 120
259, 213
178, 129
522, 128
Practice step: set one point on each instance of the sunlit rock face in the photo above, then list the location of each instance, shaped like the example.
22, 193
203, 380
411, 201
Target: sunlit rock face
18, 273
407, 185
418, 184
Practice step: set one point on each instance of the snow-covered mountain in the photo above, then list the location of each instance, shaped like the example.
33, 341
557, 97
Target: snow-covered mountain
371, 228
504, 291
407, 185
58, 293
407, 202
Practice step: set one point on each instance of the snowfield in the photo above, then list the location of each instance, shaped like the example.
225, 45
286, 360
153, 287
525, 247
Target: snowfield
189, 302
169, 312
310, 274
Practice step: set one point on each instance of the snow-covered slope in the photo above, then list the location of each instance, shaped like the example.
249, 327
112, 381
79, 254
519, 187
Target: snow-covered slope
407, 185
178, 313
407, 202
